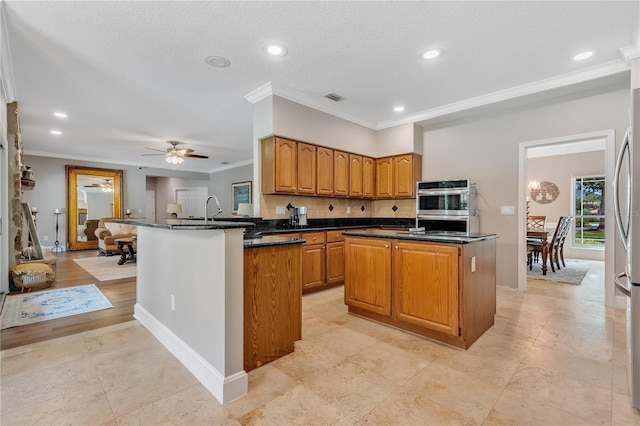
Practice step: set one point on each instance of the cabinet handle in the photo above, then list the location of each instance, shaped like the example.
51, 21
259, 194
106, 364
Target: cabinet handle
386, 246
396, 247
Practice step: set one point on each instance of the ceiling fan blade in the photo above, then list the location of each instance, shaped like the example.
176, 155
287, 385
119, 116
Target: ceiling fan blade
186, 151
147, 155
196, 156
153, 149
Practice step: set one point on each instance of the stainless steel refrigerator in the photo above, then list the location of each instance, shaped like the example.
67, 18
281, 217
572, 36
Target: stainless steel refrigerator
627, 213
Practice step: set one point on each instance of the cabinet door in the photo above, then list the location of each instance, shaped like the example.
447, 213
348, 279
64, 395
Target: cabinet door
425, 285
313, 263
367, 278
368, 177
384, 177
306, 168
335, 262
355, 175
324, 182
340, 174
279, 164
403, 182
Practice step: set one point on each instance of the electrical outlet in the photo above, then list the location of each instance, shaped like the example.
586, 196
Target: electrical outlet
279, 209
139, 210
46, 238
473, 264
173, 302
348, 210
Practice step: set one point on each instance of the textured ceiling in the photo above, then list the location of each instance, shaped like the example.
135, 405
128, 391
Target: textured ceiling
132, 74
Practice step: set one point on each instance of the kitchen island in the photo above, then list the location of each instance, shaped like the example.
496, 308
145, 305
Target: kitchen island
190, 295
439, 285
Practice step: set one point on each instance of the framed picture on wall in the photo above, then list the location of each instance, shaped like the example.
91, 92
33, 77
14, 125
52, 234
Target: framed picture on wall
240, 193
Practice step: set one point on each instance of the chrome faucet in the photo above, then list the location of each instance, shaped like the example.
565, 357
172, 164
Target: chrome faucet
206, 203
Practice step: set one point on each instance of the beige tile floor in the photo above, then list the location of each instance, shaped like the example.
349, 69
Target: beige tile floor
556, 356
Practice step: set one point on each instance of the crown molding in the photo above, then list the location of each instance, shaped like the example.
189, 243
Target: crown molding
6, 66
627, 53
231, 166
592, 73
272, 89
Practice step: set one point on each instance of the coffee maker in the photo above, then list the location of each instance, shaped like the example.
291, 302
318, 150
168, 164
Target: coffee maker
297, 216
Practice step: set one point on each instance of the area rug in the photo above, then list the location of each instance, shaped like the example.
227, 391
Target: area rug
29, 308
572, 274
106, 268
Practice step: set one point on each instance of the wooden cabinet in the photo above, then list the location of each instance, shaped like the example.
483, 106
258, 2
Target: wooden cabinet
384, 177
396, 176
355, 175
335, 258
272, 303
368, 274
340, 174
407, 169
368, 177
313, 260
324, 182
443, 291
306, 168
279, 166
425, 285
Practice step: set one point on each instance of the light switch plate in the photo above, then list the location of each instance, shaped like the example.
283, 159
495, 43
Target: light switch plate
507, 210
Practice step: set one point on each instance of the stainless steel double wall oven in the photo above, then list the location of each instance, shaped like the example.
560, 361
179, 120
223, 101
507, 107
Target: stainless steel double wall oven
447, 205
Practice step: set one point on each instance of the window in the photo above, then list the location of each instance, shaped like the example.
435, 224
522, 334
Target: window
589, 208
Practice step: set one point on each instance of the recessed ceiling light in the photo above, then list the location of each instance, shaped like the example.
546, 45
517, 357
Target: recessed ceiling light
60, 114
217, 61
583, 56
399, 109
277, 50
433, 53
55, 132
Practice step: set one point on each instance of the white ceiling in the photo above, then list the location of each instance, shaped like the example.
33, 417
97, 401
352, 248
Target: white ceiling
132, 75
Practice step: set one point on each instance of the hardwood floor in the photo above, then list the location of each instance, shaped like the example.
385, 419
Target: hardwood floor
121, 293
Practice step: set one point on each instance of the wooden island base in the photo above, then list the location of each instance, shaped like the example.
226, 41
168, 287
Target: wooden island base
445, 291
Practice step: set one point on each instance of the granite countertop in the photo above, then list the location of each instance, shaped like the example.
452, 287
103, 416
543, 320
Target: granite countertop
430, 236
186, 224
323, 228
268, 240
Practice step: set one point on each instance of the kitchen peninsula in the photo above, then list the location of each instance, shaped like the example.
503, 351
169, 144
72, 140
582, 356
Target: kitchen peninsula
190, 295
436, 284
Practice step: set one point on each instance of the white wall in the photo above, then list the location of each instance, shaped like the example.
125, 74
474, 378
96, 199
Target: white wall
485, 149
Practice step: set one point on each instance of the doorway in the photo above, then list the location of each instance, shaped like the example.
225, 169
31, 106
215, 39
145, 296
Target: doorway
609, 155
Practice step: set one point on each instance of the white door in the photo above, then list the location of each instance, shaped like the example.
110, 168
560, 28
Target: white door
150, 212
192, 201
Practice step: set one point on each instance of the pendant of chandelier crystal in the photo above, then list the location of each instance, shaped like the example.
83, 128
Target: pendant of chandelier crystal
174, 159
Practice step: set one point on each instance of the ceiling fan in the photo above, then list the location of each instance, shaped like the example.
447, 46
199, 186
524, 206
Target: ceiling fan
107, 186
174, 155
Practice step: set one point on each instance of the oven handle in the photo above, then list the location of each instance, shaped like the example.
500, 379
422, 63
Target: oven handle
452, 217
443, 192
624, 289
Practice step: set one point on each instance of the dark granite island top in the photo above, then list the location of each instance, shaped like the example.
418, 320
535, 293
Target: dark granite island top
430, 236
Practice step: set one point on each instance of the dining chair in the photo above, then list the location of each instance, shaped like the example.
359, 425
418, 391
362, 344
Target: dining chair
562, 238
535, 223
555, 246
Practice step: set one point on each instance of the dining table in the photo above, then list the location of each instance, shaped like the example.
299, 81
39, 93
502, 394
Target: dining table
542, 235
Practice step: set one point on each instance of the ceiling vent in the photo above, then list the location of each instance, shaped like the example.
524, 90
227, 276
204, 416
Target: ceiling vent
334, 97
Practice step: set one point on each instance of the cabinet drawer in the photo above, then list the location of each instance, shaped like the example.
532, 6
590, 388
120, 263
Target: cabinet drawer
313, 237
335, 236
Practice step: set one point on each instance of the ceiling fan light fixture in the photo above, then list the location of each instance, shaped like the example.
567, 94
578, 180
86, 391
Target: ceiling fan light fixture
174, 159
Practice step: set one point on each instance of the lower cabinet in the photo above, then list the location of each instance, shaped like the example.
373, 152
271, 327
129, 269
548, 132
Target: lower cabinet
442, 291
313, 260
272, 303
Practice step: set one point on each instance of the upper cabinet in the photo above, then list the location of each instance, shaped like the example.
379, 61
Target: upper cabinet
340, 174
396, 176
292, 167
368, 177
355, 175
279, 166
306, 168
325, 171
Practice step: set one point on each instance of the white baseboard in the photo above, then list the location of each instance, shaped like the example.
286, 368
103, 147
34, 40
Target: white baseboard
224, 389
